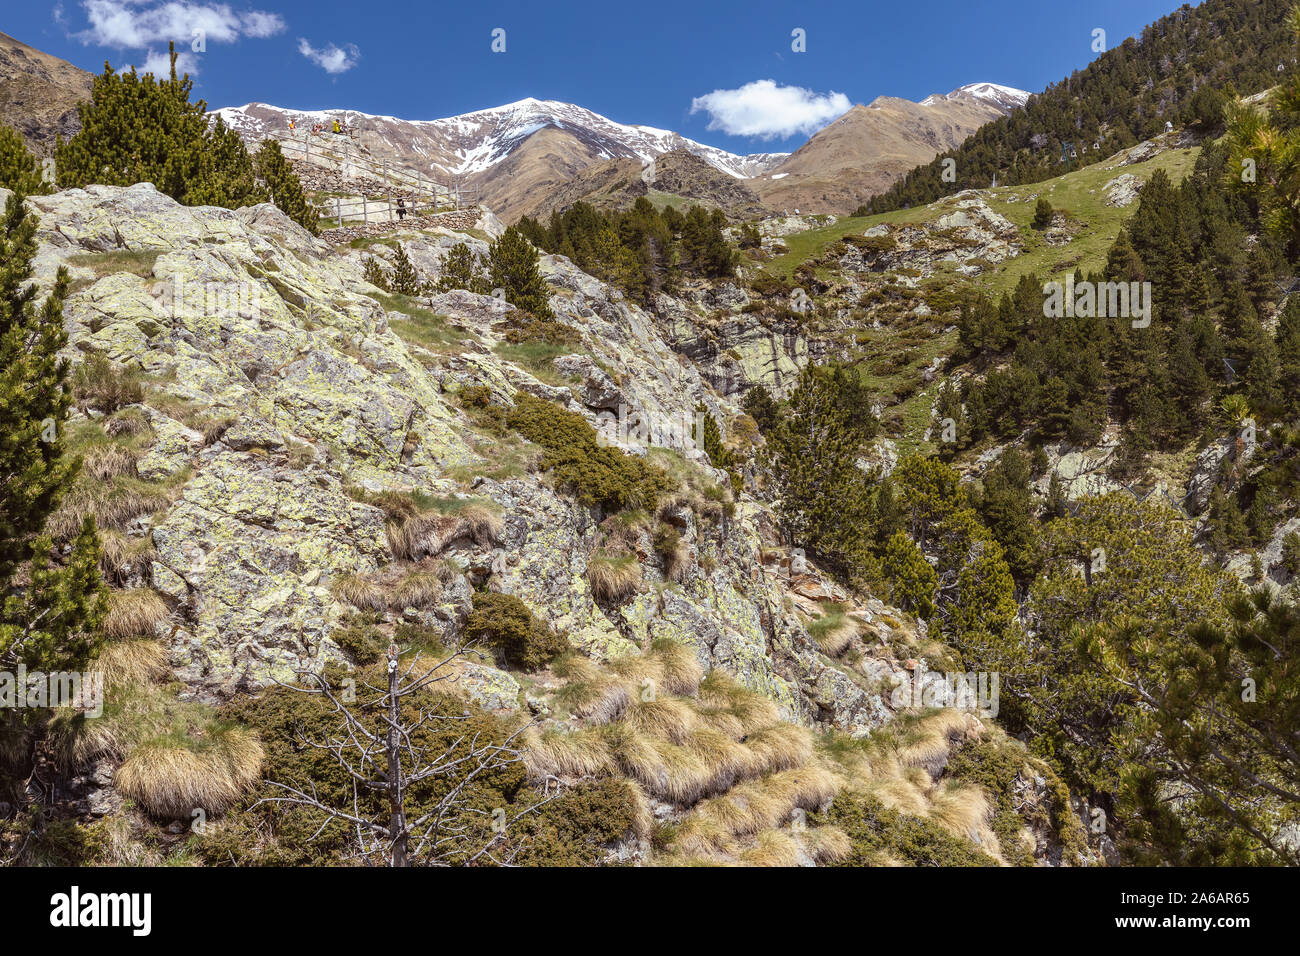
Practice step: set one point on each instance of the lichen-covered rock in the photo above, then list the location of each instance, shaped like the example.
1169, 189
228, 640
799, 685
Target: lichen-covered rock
173, 448
487, 686
244, 554
1209, 464
545, 542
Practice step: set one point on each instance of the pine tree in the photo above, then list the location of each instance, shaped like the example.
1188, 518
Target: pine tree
912, 581
1006, 507
825, 498
226, 176
374, 273
1287, 339
142, 129
1220, 706
283, 186
1266, 142
34, 400
137, 129
1123, 264
513, 263
1099, 568
1043, 213
19, 170
711, 440
49, 610
462, 270
760, 406
403, 280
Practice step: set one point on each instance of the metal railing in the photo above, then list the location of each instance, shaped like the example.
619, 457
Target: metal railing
429, 192
385, 209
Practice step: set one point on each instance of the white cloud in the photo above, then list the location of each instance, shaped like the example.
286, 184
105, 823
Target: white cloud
331, 58
259, 23
138, 24
768, 111
158, 62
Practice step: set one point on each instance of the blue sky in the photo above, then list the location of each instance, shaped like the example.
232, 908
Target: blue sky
635, 62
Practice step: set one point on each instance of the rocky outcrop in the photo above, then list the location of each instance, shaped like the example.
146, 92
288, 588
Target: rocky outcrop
242, 320
1123, 190
969, 236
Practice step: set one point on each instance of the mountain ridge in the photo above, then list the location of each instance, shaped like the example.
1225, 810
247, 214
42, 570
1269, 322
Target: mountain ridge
518, 154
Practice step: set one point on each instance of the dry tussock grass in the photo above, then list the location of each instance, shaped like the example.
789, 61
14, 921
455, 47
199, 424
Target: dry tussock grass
121, 557
613, 578
671, 667
123, 663
132, 713
591, 692
928, 741
419, 534
669, 718
773, 848
170, 778
112, 504
106, 462
396, 587
359, 591
134, 612
553, 753
827, 844
417, 589
964, 810
716, 749
834, 633
753, 711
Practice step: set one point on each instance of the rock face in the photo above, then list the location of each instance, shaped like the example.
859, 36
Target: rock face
1123, 190
1271, 560
1225, 457
245, 554
243, 319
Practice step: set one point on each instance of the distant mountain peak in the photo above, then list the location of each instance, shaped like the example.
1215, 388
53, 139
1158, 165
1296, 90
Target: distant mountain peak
1007, 97
864, 151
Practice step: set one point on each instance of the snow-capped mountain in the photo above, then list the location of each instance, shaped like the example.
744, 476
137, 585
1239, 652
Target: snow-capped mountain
475, 142
518, 155
1005, 98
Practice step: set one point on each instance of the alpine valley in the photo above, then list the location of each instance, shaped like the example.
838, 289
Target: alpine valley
527, 487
